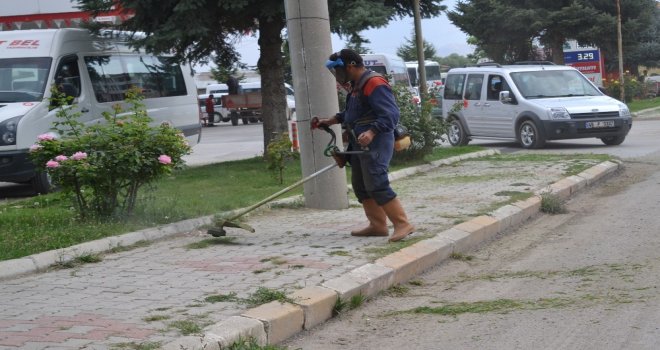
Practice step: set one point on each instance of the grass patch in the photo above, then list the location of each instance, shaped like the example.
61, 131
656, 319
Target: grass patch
514, 196
137, 346
250, 344
47, 222
638, 105
121, 248
265, 295
551, 204
186, 327
222, 298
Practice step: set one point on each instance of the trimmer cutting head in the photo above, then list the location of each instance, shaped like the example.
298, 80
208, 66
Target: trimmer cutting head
219, 229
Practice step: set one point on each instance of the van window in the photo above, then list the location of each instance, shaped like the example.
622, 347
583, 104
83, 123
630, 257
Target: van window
553, 83
496, 83
473, 88
23, 79
67, 77
454, 86
112, 76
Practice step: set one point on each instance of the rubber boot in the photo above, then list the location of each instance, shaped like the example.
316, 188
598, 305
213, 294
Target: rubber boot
396, 214
377, 220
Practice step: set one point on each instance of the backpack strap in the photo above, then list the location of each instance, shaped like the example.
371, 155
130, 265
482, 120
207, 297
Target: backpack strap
368, 116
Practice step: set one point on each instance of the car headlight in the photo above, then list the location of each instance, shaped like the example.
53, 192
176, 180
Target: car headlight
624, 112
8, 131
558, 113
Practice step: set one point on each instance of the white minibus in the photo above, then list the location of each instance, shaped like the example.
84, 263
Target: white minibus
94, 70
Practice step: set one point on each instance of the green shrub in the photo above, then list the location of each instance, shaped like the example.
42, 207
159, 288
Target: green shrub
278, 154
103, 165
425, 130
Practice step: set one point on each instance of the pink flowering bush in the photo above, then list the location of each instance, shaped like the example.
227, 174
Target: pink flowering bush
102, 166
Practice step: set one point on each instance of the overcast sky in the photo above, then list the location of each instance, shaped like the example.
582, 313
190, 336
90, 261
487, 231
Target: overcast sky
439, 31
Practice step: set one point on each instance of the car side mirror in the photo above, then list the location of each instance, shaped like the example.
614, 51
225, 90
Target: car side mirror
602, 89
505, 97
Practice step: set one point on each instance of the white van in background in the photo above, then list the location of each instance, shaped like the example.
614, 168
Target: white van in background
94, 70
388, 65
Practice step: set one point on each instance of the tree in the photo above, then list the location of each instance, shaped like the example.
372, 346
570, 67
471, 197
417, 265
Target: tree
194, 30
454, 61
356, 42
509, 30
408, 50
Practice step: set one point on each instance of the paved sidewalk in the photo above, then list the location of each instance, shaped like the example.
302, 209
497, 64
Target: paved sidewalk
151, 294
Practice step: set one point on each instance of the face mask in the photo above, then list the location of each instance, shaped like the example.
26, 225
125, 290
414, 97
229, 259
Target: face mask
338, 70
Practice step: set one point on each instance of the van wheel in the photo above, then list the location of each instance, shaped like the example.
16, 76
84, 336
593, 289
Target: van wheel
529, 136
613, 140
42, 183
456, 133
234, 118
254, 120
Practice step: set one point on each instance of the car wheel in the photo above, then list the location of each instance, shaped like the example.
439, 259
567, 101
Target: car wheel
613, 140
246, 121
456, 133
42, 183
254, 120
234, 118
529, 135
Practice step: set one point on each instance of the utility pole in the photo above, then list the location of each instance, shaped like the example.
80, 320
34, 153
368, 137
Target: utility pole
620, 46
419, 42
308, 26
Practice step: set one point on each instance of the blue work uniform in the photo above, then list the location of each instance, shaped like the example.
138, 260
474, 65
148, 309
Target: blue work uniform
376, 110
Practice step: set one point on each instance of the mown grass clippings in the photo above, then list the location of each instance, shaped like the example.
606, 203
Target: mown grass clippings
461, 256
137, 346
378, 252
339, 253
210, 242
490, 306
78, 261
136, 245
155, 318
397, 290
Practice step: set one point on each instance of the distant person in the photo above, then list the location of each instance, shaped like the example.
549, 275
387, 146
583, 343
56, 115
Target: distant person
232, 85
210, 110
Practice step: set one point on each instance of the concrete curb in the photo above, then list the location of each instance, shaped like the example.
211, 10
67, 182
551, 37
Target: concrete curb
313, 305
42, 261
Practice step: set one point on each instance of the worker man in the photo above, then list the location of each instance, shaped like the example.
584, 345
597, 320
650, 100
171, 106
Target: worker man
370, 117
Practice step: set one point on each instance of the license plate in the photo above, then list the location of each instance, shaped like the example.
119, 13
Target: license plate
599, 124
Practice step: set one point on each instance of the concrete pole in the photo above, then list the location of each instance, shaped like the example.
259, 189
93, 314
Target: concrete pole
308, 27
619, 41
419, 41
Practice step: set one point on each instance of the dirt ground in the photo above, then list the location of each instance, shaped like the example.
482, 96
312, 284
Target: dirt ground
585, 279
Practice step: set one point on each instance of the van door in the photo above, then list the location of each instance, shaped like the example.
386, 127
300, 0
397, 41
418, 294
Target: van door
497, 117
472, 103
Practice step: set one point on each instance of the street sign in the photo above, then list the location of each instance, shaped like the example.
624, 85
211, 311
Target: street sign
586, 59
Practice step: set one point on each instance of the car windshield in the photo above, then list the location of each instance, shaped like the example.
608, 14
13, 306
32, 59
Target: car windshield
23, 79
553, 83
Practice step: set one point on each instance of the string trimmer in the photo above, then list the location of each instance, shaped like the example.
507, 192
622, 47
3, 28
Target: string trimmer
331, 150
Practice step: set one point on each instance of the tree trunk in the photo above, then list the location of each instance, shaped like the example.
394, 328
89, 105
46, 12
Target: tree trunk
557, 47
271, 68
